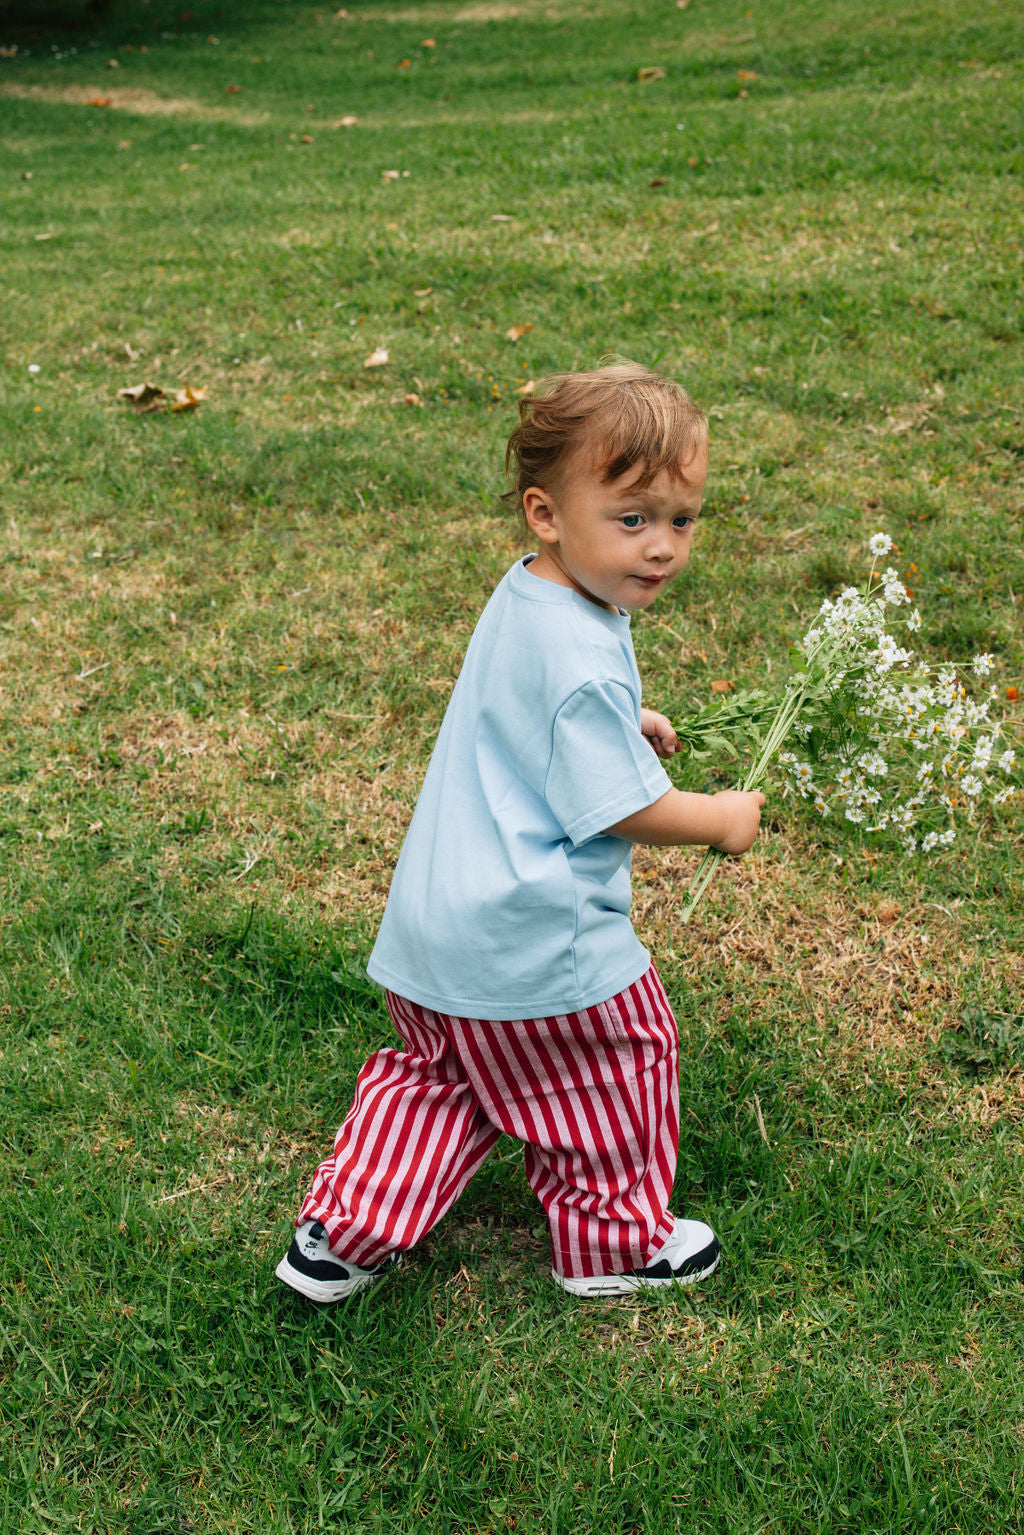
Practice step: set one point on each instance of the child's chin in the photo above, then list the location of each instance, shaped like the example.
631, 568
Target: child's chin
643, 598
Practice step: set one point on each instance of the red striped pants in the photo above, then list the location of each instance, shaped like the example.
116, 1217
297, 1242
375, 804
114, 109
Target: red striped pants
593, 1095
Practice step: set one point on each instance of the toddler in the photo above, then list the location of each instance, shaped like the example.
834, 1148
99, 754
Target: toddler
525, 1002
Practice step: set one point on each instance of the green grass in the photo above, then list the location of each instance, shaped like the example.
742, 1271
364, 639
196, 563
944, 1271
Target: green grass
228, 638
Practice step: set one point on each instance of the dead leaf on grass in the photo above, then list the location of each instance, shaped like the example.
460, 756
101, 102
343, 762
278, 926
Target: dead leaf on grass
746, 74
517, 332
145, 397
649, 73
721, 685
150, 397
187, 398
98, 101
345, 122
377, 358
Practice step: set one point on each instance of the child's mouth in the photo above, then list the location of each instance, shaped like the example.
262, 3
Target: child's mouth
651, 580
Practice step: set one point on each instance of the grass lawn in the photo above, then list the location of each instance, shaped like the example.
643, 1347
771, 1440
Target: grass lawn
228, 636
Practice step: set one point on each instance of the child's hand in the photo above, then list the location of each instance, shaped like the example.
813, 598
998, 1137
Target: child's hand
658, 730
742, 813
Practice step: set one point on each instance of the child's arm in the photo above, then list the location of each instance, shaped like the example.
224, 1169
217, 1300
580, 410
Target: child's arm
727, 821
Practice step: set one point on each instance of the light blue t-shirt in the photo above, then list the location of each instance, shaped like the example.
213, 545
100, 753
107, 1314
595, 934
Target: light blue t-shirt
507, 900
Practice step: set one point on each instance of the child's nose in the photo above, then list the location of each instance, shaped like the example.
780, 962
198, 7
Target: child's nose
659, 543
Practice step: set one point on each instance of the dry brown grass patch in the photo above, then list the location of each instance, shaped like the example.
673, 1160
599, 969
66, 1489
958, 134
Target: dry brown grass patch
135, 100
886, 972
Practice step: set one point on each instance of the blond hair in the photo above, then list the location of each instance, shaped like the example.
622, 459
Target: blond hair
628, 414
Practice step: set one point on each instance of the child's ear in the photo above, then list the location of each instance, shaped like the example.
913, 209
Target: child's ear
539, 513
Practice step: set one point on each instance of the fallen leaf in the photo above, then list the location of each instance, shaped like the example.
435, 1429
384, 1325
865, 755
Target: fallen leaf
746, 74
722, 686
187, 398
428, 42
517, 332
98, 101
528, 387
501, 218
405, 64
232, 90
422, 292
682, 4
411, 399
391, 175
343, 15
659, 181
145, 397
377, 358
651, 72
307, 138
345, 122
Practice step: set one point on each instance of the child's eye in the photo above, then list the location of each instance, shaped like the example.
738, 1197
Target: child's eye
684, 522
632, 520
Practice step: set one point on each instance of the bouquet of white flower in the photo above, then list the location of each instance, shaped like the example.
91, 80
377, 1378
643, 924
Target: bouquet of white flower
862, 730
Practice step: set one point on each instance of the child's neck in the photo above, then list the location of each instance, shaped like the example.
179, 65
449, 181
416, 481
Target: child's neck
546, 565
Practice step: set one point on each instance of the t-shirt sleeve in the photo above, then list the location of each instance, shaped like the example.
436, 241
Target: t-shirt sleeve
602, 769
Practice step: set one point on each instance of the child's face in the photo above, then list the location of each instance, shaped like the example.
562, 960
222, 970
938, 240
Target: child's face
615, 544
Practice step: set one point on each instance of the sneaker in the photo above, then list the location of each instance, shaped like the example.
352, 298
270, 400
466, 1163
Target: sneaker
691, 1253
310, 1267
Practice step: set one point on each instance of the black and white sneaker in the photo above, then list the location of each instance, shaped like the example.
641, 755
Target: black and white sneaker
310, 1267
690, 1254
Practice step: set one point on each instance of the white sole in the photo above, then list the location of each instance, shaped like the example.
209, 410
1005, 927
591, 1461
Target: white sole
628, 1284
326, 1291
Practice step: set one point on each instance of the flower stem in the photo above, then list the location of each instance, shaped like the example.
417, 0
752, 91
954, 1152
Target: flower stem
780, 728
